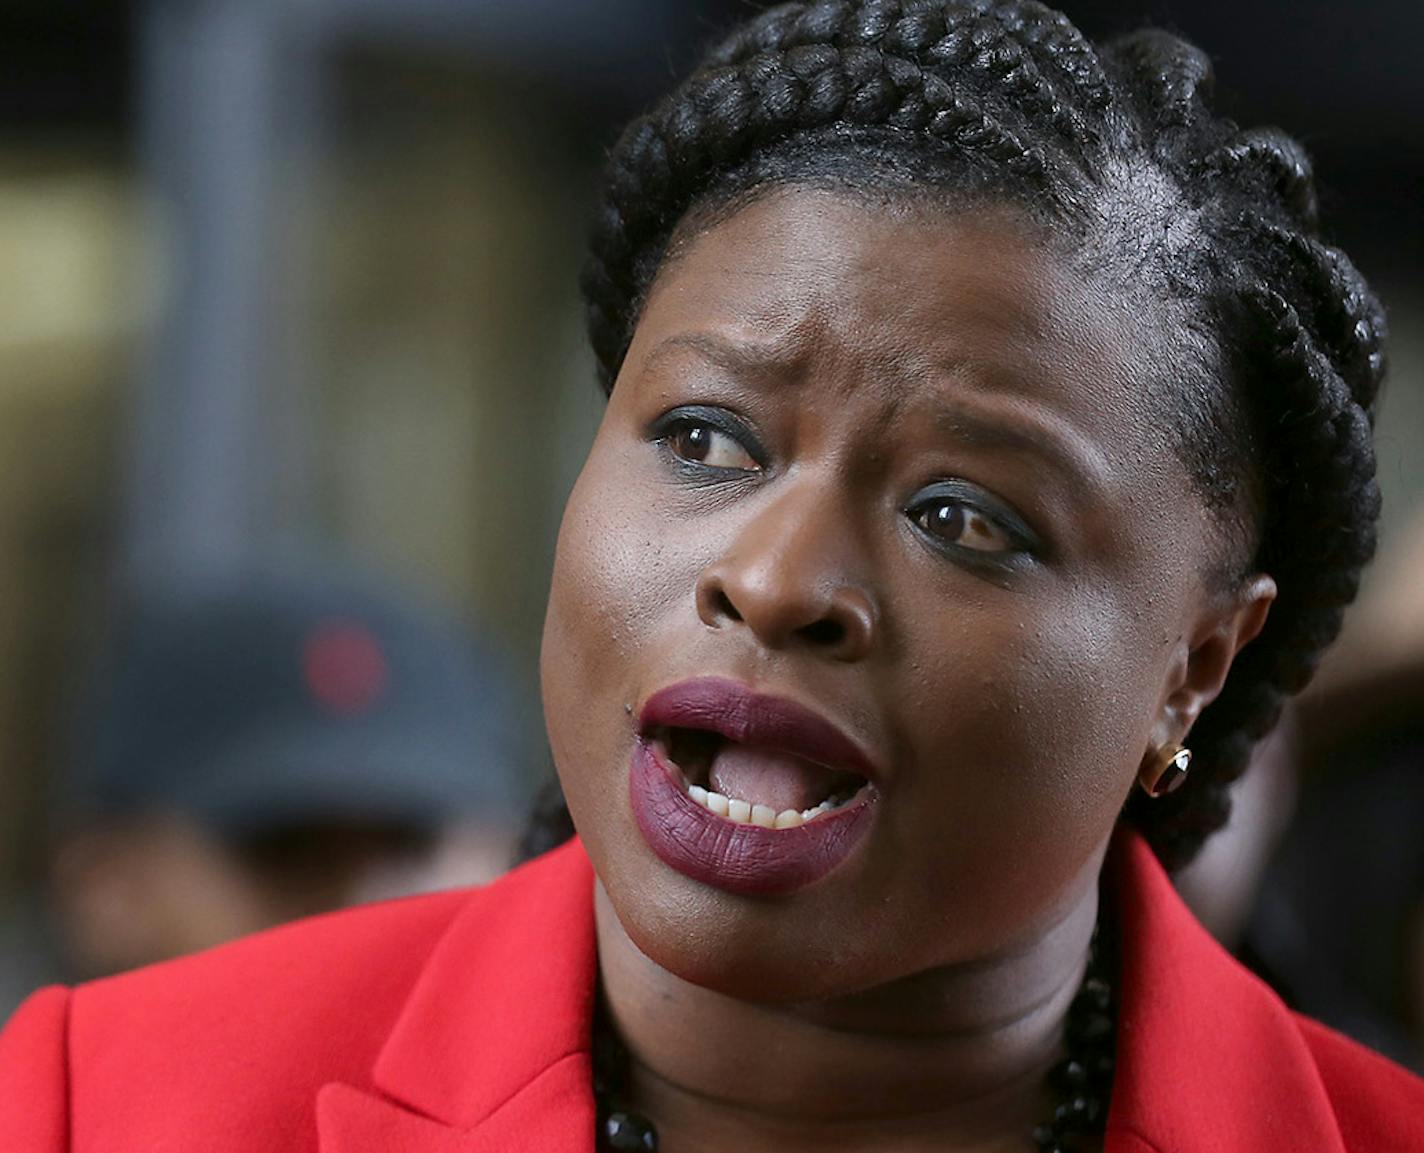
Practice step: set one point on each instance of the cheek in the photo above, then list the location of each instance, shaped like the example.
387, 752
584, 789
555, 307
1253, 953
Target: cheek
1029, 721
1088, 702
618, 572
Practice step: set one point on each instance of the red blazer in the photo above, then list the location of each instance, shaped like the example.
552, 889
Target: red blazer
459, 1023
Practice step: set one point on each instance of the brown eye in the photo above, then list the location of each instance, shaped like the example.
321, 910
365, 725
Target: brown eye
700, 443
960, 525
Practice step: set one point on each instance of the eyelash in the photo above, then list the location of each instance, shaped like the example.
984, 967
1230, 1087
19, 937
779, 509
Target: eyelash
667, 428
1021, 542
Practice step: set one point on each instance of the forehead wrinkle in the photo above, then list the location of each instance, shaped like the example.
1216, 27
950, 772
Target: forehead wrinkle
1010, 420
799, 330
802, 353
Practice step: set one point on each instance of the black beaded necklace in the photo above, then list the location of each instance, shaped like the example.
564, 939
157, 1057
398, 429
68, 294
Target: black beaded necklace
1083, 1079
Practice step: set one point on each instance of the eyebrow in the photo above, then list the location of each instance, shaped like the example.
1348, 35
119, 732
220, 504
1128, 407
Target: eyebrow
1028, 428
735, 356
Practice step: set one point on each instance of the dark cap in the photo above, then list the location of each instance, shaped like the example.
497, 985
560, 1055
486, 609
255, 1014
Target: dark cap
279, 698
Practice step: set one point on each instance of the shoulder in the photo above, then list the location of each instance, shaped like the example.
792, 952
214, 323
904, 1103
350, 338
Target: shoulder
34, 1107
1258, 1076
1378, 1104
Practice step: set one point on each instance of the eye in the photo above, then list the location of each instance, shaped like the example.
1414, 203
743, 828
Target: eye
958, 524
958, 516
695, 440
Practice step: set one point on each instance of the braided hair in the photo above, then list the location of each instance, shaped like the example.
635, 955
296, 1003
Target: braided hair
1005, 100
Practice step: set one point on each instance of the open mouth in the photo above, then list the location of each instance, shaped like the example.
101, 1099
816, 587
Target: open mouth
747, 791
753, 784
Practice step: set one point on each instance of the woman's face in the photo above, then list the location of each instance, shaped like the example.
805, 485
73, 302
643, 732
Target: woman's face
900, 469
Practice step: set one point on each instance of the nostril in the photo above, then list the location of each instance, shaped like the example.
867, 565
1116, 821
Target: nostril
838, 625
824, 632
725, 607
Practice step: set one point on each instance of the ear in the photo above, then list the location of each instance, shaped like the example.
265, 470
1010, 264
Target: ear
1205, 658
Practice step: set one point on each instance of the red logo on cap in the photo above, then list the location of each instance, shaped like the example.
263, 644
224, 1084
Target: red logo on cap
344, 667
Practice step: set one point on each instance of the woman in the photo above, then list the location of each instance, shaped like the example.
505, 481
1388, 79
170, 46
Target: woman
986, 424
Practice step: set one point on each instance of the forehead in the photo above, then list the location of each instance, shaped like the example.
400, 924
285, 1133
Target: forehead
871, 299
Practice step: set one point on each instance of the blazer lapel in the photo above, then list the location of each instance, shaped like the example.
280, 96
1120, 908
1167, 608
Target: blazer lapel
491, 1051
1209, 1058
554, 1114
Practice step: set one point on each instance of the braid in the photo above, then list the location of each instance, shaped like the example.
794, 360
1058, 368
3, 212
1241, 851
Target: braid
1180, 79
993, 45
1006, 98
1053, 38
1344, 314
1270, 157
1326, 496
794, 70
1303, 338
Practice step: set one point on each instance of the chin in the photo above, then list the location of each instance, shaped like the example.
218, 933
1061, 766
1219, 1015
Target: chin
746, 970
747, 948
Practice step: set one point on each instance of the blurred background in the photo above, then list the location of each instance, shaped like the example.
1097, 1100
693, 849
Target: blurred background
291, 350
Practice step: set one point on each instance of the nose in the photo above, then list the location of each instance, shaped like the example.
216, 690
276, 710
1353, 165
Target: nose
787, 577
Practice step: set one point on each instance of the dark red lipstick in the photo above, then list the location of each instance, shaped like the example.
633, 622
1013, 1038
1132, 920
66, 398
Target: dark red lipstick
765, 745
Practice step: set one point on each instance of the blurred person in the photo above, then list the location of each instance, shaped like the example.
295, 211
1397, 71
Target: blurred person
1223, 883
925, 526
1338, 925
266, 747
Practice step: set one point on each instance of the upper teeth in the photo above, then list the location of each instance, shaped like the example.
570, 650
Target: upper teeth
745, 813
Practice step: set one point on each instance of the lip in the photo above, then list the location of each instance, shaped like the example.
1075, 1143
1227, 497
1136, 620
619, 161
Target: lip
728, 707
735, 857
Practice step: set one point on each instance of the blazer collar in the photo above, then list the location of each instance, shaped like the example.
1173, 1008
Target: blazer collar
491, 1050
1209, 1058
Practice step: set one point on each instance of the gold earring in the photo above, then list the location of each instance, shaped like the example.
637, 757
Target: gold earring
1166, 771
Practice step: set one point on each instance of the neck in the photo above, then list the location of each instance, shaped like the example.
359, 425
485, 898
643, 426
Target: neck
954, 1058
